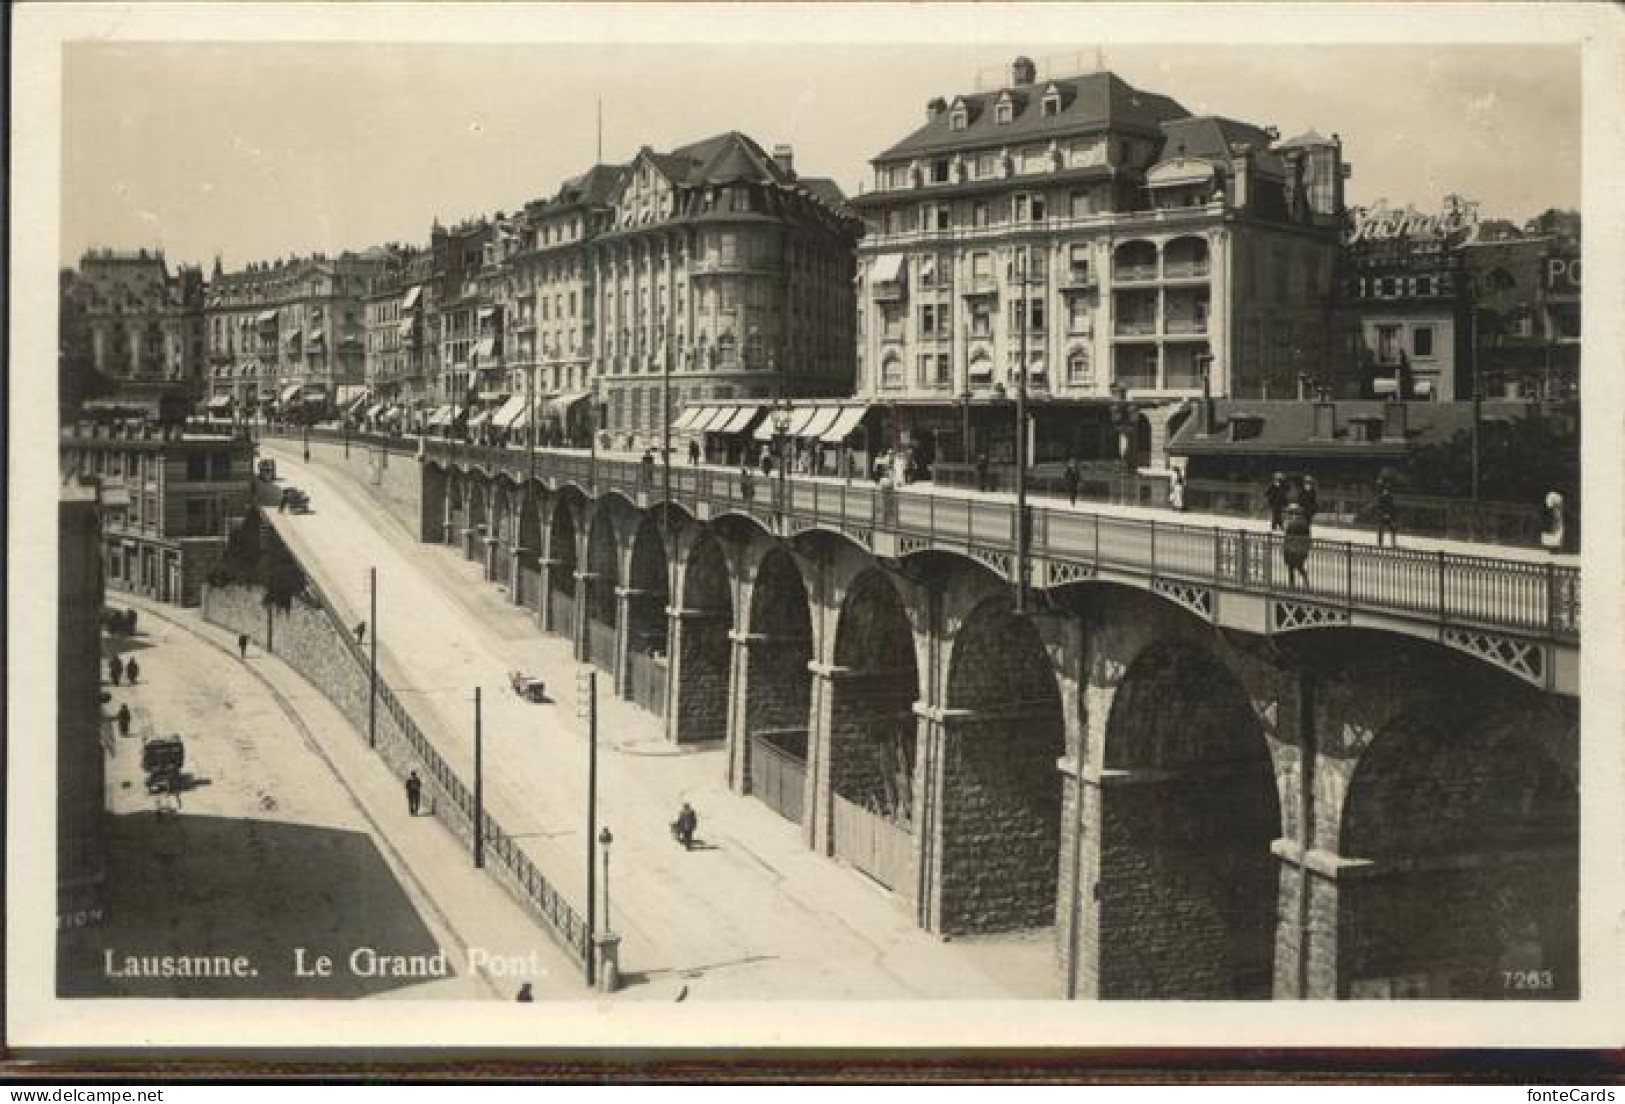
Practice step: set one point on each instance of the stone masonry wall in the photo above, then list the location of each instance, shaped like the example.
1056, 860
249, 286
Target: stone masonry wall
702, 704
305, 637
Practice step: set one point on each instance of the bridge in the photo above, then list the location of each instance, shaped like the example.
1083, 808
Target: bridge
1208, 782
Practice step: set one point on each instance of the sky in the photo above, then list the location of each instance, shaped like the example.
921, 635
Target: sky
256, 150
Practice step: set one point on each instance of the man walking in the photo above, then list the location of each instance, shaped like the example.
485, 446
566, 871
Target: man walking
360, 632
414, 792
1296, 541
115, 669
133, 670
1072, 478
242, 645
693, 454
687, 821
124, 719
1276, 495
1310, 498
1387, 513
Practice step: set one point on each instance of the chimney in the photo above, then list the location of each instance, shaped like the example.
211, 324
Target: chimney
1023, 71
784, 158
934, 108
1325, 418
1244, 179
1393, 420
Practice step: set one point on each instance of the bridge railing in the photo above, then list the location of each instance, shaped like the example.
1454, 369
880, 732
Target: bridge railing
1452, 588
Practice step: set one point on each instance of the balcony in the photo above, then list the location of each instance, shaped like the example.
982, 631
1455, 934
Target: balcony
889, 292
980, 285
1135, 274
1136, 327
1185, 270
1185, 326
1077, 279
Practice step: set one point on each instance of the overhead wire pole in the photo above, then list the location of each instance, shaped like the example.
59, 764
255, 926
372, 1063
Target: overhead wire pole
372, 675
479, 786
1025, 280
589, 705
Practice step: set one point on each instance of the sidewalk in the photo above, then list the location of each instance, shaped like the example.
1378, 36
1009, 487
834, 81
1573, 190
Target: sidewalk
753, 915
1324, 530
273, 748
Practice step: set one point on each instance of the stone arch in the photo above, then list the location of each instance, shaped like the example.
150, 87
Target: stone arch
1189, 808
432, 508
1462, 824
776, 686
528, 539
501, 532
1000, 809
873, 735
562, 567
701, 653
648, 593
1185, 253
456, 505
1134, 256
601, 606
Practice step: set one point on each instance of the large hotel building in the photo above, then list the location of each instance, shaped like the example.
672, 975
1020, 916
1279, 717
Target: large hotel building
1109, 244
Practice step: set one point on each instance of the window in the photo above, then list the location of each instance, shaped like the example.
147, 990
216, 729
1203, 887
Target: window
981, 266
979, 213
931, 316
981, 318
939, 171
1038, 208
1079, 370
1052, 104
1077, 314
1388, 287
940, 217
1422, 341
1080, 204
985, 165
1078, 260
1037, 314
891, 372
1424, 285
959, 119
1034, 159
1387, 344
1005, 112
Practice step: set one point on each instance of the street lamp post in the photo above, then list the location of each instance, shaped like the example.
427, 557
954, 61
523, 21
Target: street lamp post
605, 839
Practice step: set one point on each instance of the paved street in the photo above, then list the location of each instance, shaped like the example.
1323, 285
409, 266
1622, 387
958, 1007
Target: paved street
287, 834
753, 914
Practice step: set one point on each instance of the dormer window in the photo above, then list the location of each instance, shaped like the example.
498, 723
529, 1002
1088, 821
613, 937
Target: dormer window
1052, 104
1005, 112
959, 119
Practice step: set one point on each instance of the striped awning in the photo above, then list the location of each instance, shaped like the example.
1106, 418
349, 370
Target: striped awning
844, 424
738, 420
441, 416
509, 411
685, 420
823, 417
799, 417
290, 392
411, 299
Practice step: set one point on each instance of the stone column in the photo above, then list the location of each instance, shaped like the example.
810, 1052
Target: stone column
686, 695
516, 556
544, 612
741, 644
584, 581
1082, 777
623, 639
930, 789
489, 556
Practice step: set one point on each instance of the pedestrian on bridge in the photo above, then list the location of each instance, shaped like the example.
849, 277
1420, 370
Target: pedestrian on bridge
648, 467
414, 793
1387, 513
1072, 478
1276, 495
1296, 541
747, 488
115, 669
124, 719
1309, 498
132, 670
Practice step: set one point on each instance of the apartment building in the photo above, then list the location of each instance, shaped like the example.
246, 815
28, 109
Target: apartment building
1103, 247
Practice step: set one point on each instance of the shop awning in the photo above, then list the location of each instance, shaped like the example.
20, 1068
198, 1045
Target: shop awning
493, 398
823, 417
315, 390
292, 336
712, 419
685, 420
486, 312
699, 417
510, 410
521, 419
559, 406
737, 421
391, 414
799, 417
266, 317
290, 392
888, 268
441, 416
115, 496
411, 298
220, 402
844, 424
